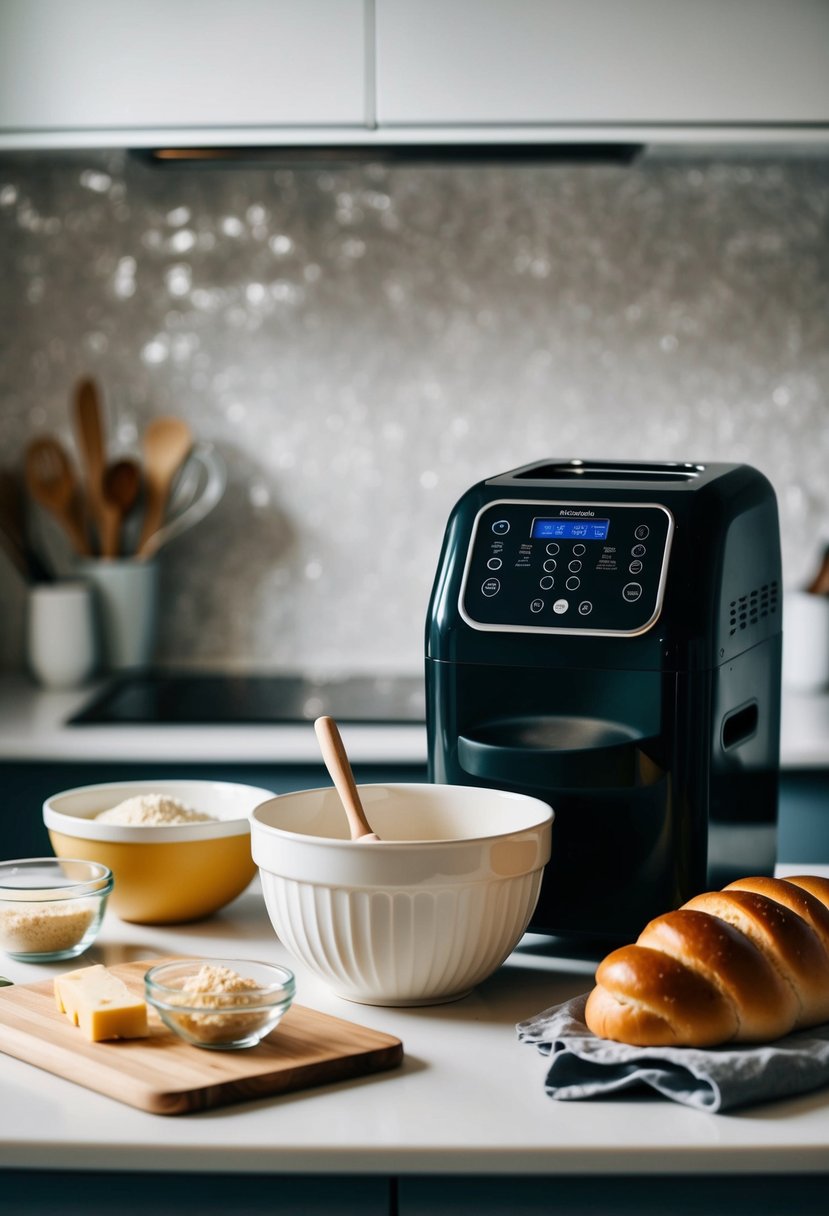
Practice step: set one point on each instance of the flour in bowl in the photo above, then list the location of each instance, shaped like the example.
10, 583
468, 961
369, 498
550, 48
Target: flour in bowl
219, 988
149, 810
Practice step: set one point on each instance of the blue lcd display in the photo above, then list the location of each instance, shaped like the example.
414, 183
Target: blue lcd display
570, 529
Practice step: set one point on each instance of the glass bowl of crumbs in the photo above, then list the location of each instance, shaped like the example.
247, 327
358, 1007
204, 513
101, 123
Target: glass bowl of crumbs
223, 1004
51, 908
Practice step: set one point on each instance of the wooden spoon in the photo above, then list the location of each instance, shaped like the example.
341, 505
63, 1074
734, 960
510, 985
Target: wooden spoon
120, 486
166, 444
89, 424
336, 761
51, 482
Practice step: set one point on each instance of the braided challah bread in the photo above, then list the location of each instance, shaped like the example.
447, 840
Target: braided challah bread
743, 965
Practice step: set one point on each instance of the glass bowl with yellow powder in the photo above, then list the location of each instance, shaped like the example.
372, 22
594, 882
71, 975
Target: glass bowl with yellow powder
220, 1003
51, 908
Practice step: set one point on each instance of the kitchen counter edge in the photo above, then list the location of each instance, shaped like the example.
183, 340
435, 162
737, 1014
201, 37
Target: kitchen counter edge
33, 726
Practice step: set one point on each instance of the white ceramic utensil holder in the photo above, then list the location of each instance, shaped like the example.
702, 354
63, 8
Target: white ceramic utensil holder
127, 604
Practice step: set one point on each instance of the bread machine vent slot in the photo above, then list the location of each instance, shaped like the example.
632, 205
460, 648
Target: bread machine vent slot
751, 608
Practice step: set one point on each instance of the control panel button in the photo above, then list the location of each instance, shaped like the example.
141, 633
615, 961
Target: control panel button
553, 548
638, 551
574, 566
494, 563
491, 587
579, 550
560, 606
635, 566
547, 582
500, 527
573, 583
585, 608
642, 532
536, 605
550, 564
632, 592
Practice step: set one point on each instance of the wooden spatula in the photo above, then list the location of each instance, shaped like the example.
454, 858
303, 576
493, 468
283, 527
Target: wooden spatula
336, 761
89, 426
166, 444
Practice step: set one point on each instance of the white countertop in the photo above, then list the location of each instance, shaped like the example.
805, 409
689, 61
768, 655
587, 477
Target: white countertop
33, 727
469, 1097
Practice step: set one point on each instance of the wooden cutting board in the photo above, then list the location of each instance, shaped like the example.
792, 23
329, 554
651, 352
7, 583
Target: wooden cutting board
167, 1076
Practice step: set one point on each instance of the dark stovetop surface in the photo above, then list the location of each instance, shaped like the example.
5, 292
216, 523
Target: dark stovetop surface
185, 698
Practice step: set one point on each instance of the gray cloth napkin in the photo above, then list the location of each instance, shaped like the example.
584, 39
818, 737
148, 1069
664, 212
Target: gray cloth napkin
712, 1079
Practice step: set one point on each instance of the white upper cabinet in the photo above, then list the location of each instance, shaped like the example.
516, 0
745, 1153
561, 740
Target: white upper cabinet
183, 73
123, 65
602, 62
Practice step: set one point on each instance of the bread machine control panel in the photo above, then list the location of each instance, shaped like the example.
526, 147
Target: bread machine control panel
566, 567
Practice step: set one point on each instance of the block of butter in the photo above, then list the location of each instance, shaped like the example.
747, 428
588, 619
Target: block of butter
100, 1004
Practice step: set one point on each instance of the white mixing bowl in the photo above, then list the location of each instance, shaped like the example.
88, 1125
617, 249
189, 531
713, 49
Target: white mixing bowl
419, 917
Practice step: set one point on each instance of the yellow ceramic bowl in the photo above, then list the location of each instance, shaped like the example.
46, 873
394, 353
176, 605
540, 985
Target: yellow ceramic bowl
164, 874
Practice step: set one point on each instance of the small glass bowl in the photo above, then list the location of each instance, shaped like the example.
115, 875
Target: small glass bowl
51, 908
217, 1018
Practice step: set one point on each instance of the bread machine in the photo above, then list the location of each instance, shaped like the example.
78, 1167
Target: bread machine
607, 636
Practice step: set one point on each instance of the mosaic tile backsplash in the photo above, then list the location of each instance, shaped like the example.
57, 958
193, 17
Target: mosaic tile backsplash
361, 344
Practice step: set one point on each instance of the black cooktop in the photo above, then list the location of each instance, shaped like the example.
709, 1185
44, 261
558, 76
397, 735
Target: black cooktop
185, 698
